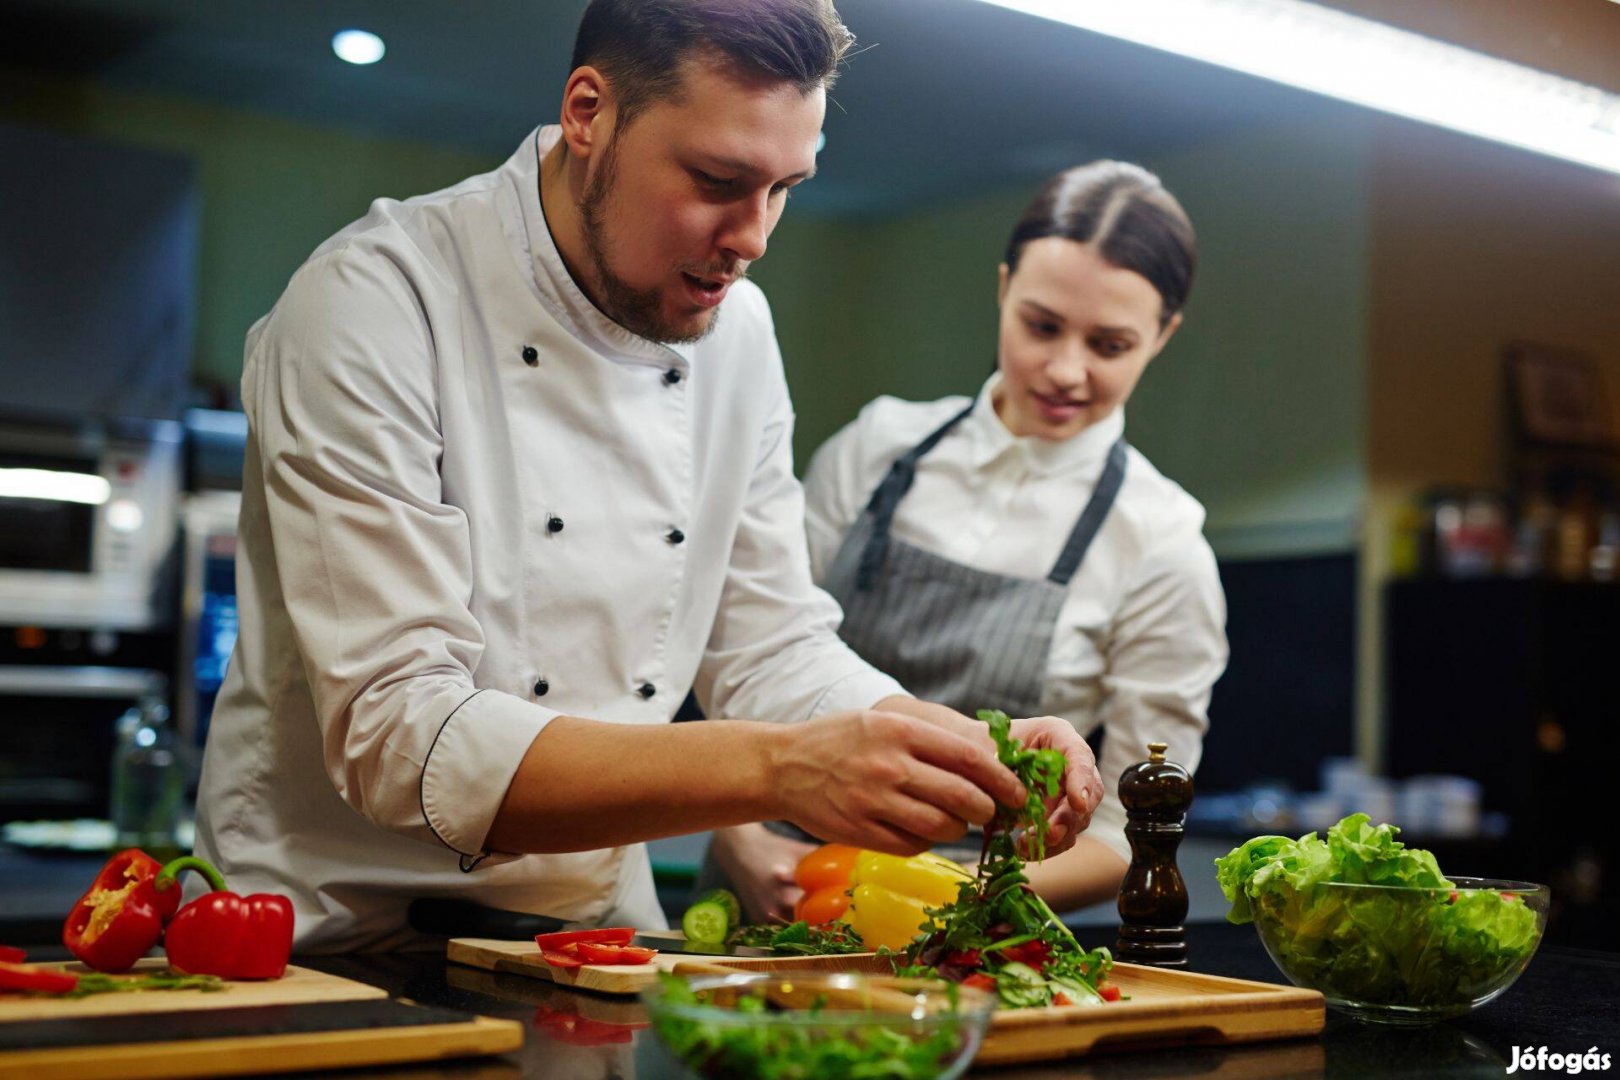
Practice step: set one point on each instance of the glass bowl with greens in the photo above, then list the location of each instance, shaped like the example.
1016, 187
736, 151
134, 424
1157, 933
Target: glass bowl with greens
788, 1026
1377, 928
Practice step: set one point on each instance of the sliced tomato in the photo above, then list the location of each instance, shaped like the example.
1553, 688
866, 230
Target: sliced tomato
613, 935
565, 957
1033, 953
595, 953
980, 981
11, 955
1108, 991
1060, 998
30, 977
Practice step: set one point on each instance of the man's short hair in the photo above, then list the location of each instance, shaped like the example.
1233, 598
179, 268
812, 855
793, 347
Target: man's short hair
640, 45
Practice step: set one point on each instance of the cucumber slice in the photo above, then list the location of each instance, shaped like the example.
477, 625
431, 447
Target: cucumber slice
706, 921
726, 899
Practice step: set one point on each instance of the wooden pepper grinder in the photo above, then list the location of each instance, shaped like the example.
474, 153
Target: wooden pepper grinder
1153, 898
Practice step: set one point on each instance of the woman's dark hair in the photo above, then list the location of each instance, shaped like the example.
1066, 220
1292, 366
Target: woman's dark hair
640, 45
1125, 212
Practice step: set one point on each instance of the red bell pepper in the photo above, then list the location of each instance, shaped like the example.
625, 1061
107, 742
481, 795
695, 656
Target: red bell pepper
121, 915
596, 952
36, 979
608, 935
10, 954
221, 933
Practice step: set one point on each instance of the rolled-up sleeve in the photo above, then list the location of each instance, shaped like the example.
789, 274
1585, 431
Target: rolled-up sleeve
774, 653
1165, 652
374, 566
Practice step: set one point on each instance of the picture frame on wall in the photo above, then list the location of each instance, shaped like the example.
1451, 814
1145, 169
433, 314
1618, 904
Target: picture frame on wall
1558, 398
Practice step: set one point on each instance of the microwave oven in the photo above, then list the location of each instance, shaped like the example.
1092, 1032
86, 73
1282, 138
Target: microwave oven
88, 518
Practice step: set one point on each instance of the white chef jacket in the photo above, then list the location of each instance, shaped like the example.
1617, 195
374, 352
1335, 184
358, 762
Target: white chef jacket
1140, 639
473, 503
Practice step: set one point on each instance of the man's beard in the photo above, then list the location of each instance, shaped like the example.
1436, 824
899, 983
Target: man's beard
639, 311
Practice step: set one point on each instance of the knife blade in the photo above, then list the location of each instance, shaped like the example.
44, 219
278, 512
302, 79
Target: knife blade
673, 941
449, 917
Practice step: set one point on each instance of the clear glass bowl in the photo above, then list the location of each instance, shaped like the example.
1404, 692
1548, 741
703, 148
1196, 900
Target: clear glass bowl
736, 1027
1396, 955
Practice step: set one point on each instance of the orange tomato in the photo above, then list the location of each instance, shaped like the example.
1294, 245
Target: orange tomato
829, 864
822, 906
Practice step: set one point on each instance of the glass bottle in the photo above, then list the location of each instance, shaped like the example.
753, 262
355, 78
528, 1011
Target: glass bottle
148, 781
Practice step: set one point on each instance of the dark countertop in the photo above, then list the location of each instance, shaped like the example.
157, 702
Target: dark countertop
1568, 1001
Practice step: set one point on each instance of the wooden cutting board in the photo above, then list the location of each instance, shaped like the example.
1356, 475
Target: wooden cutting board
297, 987
1166, 1007
305, 1020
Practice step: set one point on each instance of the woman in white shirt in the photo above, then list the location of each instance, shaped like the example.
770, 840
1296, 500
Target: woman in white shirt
1012, 551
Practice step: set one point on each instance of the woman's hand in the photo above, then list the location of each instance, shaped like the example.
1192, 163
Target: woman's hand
890, 782
760, 865
1069, 813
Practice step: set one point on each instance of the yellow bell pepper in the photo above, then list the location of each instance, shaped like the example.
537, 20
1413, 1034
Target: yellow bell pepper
891, 895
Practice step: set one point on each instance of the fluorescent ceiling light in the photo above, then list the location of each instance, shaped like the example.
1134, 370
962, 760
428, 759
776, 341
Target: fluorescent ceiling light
1369, 63
52, 486
358, 46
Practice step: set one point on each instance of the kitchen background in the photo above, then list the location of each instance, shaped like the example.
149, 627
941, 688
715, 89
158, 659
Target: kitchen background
1419, 564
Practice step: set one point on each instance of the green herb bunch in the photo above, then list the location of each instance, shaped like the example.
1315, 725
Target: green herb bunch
999, 931
1041, 772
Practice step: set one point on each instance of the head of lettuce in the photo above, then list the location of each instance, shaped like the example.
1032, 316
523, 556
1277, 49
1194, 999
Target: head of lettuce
1367, 920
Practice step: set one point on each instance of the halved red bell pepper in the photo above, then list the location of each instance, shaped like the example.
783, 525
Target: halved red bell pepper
30, 977
609, 935
221, 933
121, 915
596, 952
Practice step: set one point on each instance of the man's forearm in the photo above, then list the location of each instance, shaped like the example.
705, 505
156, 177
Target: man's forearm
587, 784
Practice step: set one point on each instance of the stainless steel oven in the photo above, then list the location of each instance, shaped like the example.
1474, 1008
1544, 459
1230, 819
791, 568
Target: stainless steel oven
87, 523
87, 581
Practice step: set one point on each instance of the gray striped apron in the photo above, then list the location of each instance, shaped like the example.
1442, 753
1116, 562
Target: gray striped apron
952, 634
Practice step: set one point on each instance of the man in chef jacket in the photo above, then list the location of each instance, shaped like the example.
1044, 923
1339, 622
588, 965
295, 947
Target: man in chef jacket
519, 474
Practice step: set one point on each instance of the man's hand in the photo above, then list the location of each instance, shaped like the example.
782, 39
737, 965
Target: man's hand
760, 864
889, 782
1069, 813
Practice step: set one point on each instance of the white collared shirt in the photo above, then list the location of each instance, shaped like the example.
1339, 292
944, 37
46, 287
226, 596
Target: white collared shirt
473, 503
1141, 637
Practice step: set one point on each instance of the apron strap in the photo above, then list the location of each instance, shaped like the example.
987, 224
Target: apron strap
886, 498
1091, 518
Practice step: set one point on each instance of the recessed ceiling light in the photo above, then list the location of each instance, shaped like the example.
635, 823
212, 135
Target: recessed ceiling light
1370, 63
358, 46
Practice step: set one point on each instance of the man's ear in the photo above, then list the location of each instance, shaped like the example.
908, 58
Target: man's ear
587, 112
1003, 275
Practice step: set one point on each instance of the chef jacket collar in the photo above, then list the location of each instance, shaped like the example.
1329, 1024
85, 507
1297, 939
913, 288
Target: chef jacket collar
558, 290
991, 439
